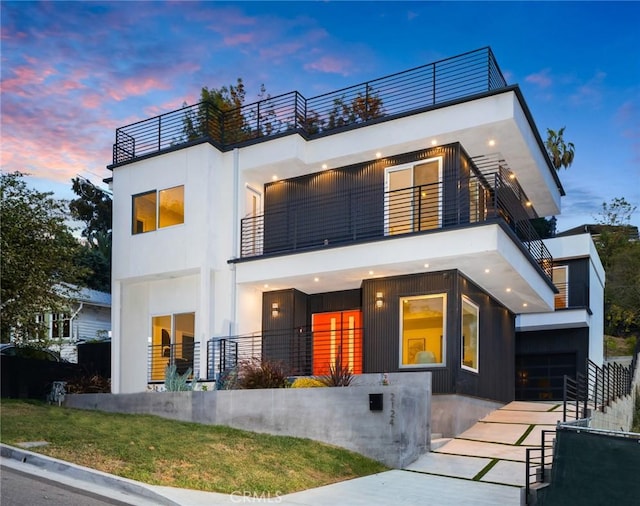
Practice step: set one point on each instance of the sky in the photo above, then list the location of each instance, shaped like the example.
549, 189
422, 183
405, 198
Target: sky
73, 72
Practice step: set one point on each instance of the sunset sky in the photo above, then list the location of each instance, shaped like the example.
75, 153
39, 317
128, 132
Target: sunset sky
72, 72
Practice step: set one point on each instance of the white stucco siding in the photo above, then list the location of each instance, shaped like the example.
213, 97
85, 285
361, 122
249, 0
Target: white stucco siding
206, 176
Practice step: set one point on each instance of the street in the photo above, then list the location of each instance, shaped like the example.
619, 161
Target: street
20, 489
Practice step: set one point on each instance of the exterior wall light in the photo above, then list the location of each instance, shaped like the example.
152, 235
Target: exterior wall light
379, 299
275, 309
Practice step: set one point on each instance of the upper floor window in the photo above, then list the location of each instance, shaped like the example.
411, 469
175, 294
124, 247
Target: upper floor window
157, 209
561, 280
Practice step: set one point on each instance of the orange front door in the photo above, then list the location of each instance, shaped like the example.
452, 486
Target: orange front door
337, 337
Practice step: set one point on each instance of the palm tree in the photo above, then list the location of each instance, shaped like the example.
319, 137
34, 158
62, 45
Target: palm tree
560, 152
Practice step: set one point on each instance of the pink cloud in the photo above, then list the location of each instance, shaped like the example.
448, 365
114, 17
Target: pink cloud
136, 86
540, 79
239, 38
330, 65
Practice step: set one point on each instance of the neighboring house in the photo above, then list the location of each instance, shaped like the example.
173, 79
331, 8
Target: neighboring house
88, 319
384, 225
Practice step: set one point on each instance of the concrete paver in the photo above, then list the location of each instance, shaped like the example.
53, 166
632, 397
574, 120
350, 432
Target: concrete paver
510, 473
531, 406
483, 449
407, 488
535, 436
526, 417
449, 465
499, 433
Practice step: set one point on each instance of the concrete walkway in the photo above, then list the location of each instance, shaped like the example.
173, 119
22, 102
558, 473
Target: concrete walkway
484, 465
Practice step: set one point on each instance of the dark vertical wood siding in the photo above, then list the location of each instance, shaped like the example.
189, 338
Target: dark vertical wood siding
578, 282
344, 204
496, 362
281, 339
334, 301
382, 325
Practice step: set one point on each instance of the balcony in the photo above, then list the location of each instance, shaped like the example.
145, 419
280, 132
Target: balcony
373, 214
409, 92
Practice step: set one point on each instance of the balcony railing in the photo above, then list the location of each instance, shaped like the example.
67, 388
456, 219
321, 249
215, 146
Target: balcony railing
300, 351
184, 356
407, 92
371, 214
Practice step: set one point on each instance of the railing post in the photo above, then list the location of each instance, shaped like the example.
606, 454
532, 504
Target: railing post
433, 85
258, 121
295, 110
159, 132
366, 101
564, 399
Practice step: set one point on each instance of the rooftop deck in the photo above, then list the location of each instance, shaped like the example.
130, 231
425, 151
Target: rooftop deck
409, 92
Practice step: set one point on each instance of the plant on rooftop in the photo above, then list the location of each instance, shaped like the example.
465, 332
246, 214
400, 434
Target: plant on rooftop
256, 373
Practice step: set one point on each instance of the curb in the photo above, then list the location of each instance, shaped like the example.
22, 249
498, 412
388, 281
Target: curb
85, 474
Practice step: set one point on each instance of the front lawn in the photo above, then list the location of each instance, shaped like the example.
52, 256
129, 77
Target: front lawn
179, 454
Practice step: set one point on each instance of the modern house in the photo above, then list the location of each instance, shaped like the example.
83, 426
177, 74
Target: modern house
384, 226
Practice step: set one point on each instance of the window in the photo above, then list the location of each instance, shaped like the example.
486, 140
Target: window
158, 209
470, 334
561, 280
60, 326
422, 330
413, 197
172, 342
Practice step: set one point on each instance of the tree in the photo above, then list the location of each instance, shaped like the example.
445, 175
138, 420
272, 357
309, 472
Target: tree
38, 258
620, 256
94, 207
219, 114
560, 152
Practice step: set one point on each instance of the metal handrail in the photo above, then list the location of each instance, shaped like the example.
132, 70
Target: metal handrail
287, 227
410, 91
538, 459
184, 356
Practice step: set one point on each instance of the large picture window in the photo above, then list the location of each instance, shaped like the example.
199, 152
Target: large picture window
422, 330
158, 209
172, 342
470, 334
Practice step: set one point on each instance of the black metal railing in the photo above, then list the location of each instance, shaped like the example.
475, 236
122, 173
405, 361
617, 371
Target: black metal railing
184, 356
597, 389
539, 461
370, 213
300, 351
407, 92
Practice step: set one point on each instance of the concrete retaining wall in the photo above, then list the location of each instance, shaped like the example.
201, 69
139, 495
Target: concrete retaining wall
451, 415
397, 435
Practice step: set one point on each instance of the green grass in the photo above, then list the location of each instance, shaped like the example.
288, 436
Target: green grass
180, 454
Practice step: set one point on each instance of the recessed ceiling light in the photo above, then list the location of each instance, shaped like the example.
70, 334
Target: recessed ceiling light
487, 271
378, 155
266, 285
525, 304
274, 178
316, 279
426, 266
434, 142
529, 204
508, 289
492, 142
370, 273
324, 166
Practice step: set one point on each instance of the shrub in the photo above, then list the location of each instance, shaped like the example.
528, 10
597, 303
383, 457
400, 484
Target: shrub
256, 373
307, 382
95, 384
175, 382
339, 375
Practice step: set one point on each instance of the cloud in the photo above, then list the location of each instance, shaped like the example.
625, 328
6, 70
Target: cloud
589, 93
330, 65
540, 79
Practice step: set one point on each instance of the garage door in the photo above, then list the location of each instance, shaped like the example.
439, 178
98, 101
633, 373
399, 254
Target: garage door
541, 376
